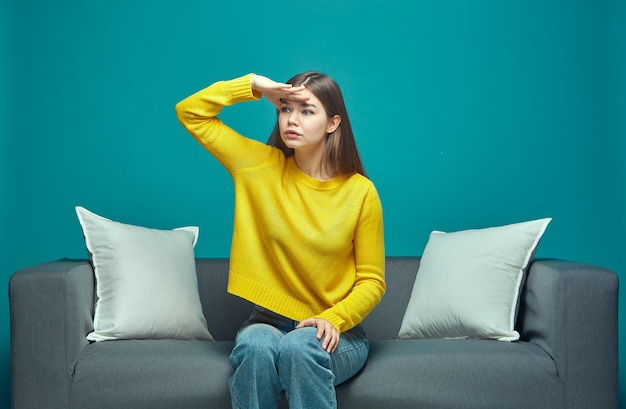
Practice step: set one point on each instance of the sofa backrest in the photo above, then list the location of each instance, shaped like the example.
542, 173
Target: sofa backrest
223, 311
385, 320
226, 313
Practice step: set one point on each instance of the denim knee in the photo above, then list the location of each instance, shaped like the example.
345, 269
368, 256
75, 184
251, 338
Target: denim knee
257, 341
301, 345
304, 370
255, 383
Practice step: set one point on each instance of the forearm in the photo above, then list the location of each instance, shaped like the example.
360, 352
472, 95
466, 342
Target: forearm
353, 309
197, 113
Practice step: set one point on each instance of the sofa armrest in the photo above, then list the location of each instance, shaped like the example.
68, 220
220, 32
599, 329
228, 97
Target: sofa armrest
570, 310
51, 313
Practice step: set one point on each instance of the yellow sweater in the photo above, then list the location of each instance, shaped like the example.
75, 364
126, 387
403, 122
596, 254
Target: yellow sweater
301, 247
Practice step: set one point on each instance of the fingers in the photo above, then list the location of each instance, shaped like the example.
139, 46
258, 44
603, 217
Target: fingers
275, 96
310, 322
290, 92
330, 336
267, 86
290, 89
276, 91
325, 331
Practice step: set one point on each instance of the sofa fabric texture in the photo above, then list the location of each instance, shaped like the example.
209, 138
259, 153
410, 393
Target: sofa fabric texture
566, 356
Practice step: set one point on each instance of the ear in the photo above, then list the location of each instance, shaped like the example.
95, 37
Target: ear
333, 124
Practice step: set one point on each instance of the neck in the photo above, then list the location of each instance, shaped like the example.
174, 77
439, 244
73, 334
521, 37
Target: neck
312, 165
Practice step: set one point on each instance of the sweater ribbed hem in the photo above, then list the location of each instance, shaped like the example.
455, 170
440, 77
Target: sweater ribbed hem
270, 298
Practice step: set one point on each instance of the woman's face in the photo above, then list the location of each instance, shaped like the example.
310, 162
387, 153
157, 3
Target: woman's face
304, 125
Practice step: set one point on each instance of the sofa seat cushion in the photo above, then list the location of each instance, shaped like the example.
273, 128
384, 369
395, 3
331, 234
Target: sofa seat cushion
452, 373
399, 373
152, 374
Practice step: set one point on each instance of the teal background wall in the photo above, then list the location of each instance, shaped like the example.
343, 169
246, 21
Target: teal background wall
467, 114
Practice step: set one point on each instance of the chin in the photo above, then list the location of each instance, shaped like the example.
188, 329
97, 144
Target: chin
289, 143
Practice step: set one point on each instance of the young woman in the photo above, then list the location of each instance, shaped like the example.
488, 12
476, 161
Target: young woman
307, 245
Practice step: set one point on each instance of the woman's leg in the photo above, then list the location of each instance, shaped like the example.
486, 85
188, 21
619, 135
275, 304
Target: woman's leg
350, 355
308, 374
255, 383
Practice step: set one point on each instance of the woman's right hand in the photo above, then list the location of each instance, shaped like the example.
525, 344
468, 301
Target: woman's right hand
274, 91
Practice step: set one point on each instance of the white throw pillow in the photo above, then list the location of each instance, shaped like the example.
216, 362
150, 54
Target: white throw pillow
146, 282
468, 282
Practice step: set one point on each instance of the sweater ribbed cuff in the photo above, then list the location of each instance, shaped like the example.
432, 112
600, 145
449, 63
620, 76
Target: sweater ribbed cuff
334, 319
241, 89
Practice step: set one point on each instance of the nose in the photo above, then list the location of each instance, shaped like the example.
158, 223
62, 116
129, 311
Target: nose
292, 119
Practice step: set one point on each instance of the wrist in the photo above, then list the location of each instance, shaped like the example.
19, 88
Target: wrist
253, 82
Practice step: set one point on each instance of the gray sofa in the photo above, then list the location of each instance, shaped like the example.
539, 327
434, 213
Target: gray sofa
567, 357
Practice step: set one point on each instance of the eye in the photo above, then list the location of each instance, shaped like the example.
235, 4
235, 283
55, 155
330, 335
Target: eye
308, 112
285, 110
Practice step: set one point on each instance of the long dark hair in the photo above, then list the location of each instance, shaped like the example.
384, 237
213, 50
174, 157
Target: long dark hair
341, 153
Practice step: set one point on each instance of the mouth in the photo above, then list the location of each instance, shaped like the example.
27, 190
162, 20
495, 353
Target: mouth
291, 134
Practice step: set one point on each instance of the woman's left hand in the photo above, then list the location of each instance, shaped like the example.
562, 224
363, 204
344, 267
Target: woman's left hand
324, 329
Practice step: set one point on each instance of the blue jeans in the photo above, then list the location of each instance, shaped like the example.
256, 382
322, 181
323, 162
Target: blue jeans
271, 356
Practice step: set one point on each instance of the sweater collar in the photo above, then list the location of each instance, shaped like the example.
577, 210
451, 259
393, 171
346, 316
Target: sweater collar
311, 182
